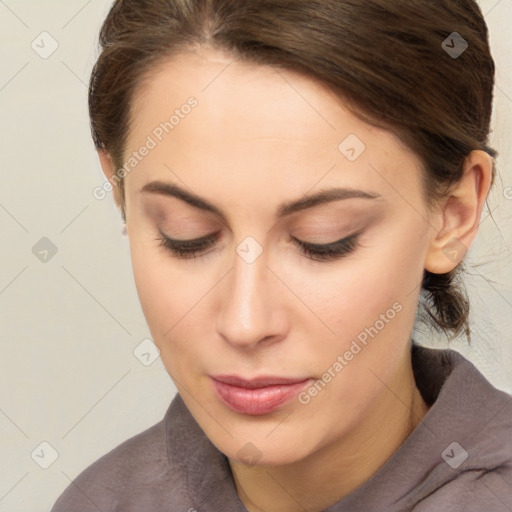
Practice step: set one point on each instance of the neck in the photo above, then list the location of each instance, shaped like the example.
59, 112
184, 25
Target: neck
334, 471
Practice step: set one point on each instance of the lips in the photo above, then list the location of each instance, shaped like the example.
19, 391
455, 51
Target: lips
258, 396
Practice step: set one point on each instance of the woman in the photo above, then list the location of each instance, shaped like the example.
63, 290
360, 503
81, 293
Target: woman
294, 177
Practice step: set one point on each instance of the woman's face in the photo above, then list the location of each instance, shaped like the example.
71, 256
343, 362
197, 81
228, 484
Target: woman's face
258, 163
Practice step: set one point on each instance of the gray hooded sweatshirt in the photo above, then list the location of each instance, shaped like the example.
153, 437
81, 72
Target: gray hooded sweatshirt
458, 459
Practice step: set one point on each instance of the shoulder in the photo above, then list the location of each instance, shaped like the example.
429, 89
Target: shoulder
475, 469
117, 480
473, 491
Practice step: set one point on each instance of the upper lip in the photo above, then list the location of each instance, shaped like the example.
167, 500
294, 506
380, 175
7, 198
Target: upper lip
257, 382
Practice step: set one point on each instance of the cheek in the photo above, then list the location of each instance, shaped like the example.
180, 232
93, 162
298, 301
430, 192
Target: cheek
370, 303
370, 297
356, 290
161, 288
174, 301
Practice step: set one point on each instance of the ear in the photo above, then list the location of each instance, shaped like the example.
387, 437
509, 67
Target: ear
460, 214
107, 165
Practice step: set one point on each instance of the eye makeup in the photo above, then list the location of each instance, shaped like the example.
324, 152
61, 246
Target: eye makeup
188, 249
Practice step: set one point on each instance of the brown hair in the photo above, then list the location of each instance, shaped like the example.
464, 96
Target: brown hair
384, 58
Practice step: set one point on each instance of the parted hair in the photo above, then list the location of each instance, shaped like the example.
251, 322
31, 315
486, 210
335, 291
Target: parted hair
384, 58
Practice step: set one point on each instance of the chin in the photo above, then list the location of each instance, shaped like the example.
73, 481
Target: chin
249, 456
258, 450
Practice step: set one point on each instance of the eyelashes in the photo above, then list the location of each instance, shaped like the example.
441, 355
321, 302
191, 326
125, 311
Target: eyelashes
190, 249
187, 248
329, 252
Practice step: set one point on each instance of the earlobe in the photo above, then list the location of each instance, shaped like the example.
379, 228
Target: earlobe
444, 255
106, 163
461, 213
108, 168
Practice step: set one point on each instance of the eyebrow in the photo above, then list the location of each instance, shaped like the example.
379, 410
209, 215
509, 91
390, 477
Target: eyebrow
304, 203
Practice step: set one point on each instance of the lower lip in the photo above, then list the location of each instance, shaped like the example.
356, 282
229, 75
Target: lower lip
257, 401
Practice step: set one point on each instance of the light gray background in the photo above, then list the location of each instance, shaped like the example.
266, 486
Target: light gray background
69, 375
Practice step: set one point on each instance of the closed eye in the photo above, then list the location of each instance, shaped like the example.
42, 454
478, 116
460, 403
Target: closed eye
188, 249
329, 252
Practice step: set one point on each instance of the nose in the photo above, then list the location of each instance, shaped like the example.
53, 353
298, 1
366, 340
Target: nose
249, 314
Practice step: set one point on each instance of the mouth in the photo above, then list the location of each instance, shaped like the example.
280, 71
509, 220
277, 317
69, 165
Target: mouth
258, 396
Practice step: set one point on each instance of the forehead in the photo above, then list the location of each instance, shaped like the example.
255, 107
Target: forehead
252, 119
231, 92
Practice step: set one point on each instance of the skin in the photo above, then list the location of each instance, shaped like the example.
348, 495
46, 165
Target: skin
257, 139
